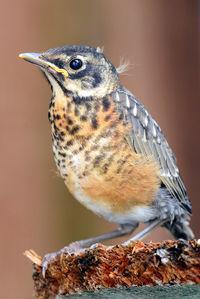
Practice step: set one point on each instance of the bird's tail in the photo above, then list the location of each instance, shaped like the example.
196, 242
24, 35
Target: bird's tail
180, 228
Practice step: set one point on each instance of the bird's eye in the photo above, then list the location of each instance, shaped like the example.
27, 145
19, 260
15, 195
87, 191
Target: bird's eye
76, 64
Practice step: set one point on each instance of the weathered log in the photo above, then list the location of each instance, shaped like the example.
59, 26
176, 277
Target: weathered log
138, 264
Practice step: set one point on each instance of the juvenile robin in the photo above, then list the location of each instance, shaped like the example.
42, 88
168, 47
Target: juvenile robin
110, 152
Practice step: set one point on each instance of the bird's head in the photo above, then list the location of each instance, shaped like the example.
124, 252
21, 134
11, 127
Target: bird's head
80, 70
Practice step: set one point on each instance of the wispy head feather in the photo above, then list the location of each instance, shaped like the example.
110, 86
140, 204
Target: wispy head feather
123, 66
100, 49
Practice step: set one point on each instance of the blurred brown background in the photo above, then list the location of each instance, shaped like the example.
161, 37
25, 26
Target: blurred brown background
160, 39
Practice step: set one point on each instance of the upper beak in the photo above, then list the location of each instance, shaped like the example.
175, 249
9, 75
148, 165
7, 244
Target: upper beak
37, 59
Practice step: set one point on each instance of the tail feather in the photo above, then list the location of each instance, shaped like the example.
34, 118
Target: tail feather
180, 229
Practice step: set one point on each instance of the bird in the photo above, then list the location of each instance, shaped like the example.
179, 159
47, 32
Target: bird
110, 152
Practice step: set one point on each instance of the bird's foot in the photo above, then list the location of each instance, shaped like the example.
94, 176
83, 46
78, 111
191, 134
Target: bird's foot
49, 257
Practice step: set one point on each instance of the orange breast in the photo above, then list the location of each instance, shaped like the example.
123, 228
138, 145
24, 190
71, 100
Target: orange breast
136, 184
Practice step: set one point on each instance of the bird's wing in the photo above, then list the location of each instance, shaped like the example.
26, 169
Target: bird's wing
146, 138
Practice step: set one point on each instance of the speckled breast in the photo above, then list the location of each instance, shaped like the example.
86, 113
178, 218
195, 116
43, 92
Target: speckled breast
93, 156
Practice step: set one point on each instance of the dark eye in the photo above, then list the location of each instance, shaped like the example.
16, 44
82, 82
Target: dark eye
75, 64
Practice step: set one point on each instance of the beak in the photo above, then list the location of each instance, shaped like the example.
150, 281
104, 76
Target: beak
39, 60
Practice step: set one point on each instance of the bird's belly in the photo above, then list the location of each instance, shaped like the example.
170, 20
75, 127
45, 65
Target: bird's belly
112, 211
120, 196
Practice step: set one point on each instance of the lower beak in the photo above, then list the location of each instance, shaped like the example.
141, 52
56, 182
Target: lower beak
37, 59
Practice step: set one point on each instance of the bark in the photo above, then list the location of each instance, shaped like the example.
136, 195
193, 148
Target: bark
139, 264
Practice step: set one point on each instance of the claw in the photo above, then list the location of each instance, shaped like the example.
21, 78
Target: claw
94, 245
49, 257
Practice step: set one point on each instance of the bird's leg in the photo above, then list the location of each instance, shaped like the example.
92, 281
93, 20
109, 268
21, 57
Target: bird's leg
153, 225
122, 230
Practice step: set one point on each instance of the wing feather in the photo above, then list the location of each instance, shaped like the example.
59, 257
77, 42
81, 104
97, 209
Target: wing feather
146, 138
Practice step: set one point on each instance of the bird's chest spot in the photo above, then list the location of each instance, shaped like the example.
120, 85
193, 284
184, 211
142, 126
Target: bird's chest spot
86, 135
